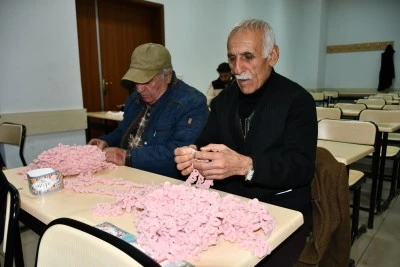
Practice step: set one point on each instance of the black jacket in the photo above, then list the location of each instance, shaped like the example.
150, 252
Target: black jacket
386, 74
281, 141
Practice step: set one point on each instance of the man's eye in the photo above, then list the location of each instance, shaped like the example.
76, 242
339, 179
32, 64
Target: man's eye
248, 56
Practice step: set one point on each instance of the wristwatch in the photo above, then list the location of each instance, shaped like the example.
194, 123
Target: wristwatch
249, 174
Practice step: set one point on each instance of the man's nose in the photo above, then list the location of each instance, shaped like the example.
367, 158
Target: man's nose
139, 88
238, 66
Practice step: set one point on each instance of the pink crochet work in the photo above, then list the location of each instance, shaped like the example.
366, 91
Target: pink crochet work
71, 160
178, 222
196, 177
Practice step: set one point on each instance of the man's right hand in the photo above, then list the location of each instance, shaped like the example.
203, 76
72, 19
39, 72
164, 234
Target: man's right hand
184, 157
99, 143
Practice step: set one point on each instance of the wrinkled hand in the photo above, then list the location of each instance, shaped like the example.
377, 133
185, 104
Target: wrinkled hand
184, 159
115, 155
217, 162
98, 142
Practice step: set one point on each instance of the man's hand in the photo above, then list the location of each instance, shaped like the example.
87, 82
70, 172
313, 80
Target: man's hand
115, 155
216, 162
98, 142
184, 159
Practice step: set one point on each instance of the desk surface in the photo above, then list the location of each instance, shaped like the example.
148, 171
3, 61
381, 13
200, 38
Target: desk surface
67, 203
346, 153
106, 115
388, 127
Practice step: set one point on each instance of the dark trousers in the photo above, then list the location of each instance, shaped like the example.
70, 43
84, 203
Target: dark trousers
287, 253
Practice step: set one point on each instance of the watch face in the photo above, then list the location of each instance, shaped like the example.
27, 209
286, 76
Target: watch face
249, 174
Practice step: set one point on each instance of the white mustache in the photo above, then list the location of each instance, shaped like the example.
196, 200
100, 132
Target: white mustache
243, 76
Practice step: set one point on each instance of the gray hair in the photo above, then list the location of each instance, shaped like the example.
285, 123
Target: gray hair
165, 71
257, 25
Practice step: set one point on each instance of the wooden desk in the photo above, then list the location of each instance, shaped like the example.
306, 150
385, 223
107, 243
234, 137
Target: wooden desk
106, 117
346, 153
67, 203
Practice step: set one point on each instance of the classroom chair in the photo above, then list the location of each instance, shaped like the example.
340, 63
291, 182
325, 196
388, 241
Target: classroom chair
10, 236
68, 242
328, 113
13, 134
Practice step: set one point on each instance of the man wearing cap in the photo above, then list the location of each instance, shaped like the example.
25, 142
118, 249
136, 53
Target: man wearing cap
162, 113
224, 80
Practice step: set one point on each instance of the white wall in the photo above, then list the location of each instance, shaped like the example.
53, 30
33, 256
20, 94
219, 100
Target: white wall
360, 21
40, 59
196, 34
40, 66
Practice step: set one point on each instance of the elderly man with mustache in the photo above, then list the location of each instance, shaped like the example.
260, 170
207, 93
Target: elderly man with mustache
261, 135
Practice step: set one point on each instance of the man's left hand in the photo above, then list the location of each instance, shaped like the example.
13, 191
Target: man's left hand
216, 162
115, 155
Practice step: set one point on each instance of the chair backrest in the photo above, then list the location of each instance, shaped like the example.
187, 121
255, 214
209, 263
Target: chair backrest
348, 131
9, 225
377, 116
350, 108
330, 242
14, 134
384, 116
372, 103
391, 107
328, 113
385, 97
67, 242
394, 95
318, 96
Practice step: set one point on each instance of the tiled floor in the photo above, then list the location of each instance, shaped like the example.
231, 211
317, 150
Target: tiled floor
379, 246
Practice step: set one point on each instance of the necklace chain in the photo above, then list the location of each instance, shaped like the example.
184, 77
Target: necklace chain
247, 122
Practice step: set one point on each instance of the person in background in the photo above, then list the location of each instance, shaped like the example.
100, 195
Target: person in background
261, 136
225, 79
162, 114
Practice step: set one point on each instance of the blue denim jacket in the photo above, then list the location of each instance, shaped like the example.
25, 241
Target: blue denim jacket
176, 120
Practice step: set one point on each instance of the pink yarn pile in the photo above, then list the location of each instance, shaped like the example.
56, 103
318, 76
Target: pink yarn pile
178, 222
72, 160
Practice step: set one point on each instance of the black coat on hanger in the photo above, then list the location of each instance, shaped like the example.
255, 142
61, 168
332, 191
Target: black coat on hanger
386, 74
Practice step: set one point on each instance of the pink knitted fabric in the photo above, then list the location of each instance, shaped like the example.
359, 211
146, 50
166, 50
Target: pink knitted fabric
178, 222
200, 182
71, 160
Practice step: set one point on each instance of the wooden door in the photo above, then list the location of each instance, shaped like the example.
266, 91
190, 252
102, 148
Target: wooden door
108, 32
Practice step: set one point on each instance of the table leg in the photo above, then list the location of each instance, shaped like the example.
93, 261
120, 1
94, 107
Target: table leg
375, 177
381, 174
356, 231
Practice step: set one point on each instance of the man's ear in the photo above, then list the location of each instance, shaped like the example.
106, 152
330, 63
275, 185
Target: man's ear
168, 76
273, 56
